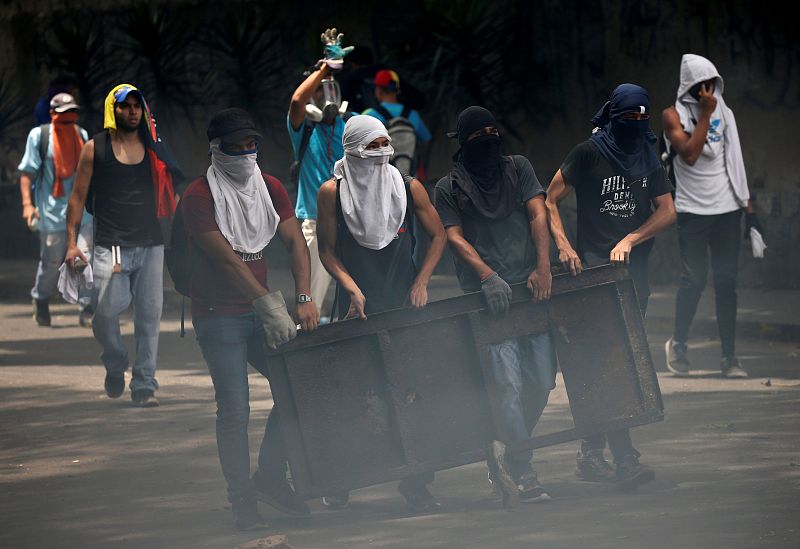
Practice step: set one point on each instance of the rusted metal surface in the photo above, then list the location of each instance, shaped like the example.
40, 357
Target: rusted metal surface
405, 392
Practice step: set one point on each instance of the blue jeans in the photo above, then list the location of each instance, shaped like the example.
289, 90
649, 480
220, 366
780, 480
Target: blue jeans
52, 249
229, 343
142, 282
524, 373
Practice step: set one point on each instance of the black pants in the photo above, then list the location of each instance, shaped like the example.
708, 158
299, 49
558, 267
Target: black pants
697, 234
619, 442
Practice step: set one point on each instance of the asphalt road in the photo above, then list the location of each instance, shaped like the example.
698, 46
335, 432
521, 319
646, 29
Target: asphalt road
80, 470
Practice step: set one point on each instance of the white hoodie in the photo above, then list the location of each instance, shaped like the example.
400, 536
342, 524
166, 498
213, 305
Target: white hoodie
717, 183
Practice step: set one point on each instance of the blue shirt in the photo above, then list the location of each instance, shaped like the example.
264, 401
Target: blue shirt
324, 149
53, 211
396, 109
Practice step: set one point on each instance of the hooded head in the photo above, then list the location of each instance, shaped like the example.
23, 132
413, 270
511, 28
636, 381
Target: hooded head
479, 139
695, 71
624, 134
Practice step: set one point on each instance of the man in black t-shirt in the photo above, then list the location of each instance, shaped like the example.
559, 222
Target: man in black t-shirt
617, 178
492, 208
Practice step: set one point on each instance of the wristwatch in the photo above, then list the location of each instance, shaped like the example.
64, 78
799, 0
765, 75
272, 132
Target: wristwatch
304, 298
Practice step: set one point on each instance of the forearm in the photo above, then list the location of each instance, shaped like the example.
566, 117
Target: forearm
301, 267
337, 270
557, 226
25, 186
661, 219
541, 241
303, 93
74, 216
432, 257
469, 255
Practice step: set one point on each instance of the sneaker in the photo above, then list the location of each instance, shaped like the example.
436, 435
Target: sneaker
85, 317
530, 491
593, 467
631, 474
115, 385
336, 501
677, 362
41, 312
144, 398
280, 496
732, 369
418, 498
245, 515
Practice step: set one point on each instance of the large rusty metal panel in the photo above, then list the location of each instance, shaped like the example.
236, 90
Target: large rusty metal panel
364, 402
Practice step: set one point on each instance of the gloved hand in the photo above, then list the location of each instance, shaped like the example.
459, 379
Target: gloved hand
278, 325
750, 220
334, 52
497, 293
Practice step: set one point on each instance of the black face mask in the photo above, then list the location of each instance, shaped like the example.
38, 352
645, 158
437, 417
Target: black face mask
481, 155
629, 133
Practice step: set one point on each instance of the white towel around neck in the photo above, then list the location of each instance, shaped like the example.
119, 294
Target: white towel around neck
243, 207
372, 192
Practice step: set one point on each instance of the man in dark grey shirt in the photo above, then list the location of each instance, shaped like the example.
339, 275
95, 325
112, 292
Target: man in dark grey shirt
492, 208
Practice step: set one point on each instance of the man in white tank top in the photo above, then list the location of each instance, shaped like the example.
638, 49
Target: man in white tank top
710, 194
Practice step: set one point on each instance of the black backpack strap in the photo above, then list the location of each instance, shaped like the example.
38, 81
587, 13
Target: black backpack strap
308, 129
44, 142
406, 112
380, 109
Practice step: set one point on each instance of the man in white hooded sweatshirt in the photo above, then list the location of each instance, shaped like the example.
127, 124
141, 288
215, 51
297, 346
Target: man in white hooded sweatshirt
366, 242
711, 192
230, 216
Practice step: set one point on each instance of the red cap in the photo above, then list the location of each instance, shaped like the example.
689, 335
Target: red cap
387, 79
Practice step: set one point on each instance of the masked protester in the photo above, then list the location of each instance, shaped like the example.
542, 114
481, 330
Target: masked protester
366, 231
618, 181
47, 175
124, 180
492, 207
315, 122
711, 193
231, 215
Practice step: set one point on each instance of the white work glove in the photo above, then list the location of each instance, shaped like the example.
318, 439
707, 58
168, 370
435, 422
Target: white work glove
334, 52
497, 293
278, 325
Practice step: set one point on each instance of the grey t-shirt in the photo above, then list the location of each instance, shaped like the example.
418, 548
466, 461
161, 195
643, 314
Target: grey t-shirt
503, 244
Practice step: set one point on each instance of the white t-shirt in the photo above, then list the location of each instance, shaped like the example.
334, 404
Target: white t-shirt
705, 188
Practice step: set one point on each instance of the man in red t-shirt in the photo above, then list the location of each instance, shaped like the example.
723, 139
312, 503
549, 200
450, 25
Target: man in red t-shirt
230, 216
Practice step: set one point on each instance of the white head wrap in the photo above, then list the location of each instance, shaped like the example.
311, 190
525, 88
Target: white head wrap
243, 208
373, 196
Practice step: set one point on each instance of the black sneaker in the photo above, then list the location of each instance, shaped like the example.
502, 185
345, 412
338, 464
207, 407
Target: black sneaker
245, 515
530, 491
418, 498
732, 369
115, 385
144, 398
281, 497
593, 467
85, 317
677, 361
41, 312
631, 474
336, 501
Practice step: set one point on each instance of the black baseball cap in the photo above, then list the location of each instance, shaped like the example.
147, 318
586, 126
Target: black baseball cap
232, 125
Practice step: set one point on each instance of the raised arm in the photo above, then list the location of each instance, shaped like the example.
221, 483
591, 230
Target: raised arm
326, 235
689, 147
297, 107
429, 218
558, 190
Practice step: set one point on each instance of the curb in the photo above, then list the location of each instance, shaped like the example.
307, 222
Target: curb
746, 329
